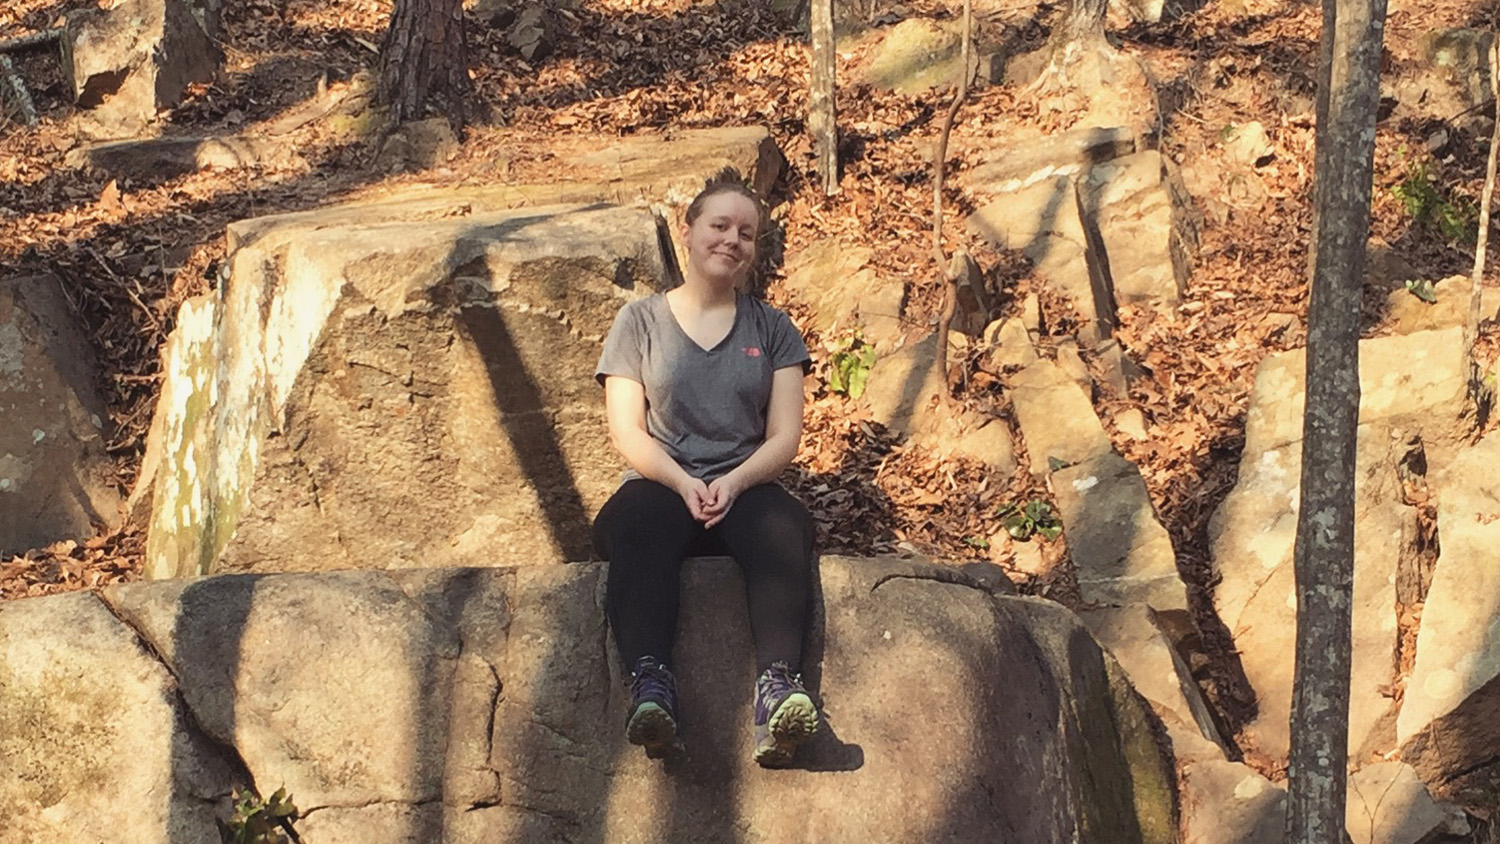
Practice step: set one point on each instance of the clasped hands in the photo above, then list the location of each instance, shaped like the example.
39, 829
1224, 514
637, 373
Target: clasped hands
710, 503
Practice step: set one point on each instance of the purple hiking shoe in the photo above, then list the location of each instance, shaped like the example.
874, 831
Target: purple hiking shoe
785, 716
652, 723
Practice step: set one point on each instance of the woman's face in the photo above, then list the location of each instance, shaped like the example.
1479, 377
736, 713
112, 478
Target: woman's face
721, 241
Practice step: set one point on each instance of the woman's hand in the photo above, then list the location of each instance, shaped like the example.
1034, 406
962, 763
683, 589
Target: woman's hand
721, 495
696, 495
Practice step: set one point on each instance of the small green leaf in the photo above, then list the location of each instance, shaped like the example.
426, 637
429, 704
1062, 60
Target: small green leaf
1422, 289
1056, 463
977, 542
857, 382
1050, 532
836, 379
1038, 510
1018, 526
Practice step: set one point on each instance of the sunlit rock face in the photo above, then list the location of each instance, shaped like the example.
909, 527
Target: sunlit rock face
384, 388
468, 705
407, 380
1413, 390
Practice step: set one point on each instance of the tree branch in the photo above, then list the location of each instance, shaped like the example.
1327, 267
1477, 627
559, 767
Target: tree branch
939, 162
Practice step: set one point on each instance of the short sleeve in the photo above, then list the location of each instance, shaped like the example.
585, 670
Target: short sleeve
623, 347
787, 347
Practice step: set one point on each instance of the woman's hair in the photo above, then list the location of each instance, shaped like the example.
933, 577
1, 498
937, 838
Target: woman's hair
729, 180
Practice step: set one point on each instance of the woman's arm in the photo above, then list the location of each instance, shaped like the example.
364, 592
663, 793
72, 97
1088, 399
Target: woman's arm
783, 434
625, 410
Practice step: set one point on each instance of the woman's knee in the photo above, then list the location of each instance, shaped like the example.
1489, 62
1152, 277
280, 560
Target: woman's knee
641, 512
775, 509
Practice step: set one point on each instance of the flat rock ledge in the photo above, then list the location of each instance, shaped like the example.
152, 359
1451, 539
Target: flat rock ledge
468, 705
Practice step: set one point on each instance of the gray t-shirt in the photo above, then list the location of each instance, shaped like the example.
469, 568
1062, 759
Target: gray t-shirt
707, 408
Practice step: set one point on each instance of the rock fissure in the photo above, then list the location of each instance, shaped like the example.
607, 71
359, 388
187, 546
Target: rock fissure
228, 753
1459, 773
1419, 556
948, 576
317, 496
305, 812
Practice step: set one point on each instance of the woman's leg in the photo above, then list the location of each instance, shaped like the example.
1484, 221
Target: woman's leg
770, 534
643, 530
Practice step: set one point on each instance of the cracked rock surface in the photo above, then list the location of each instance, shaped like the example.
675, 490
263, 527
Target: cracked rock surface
468, 705
95, 742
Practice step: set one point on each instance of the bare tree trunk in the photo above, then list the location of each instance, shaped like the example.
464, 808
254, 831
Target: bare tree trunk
822, 118
1476, 293
1083, 23
424, 61
1324, 558
939, 164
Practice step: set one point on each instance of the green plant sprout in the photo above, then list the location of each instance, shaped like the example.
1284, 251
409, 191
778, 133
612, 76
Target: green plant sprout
1422, 289
851, 361
1035, 517
261, 822
1457, 219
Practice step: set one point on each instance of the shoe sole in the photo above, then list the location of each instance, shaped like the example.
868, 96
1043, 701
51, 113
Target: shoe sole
653, 728
792, 724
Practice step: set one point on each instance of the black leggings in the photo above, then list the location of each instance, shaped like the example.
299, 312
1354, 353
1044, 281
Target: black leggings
645, 530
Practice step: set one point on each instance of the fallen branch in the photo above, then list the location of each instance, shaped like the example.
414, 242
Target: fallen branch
34, 41
18, 93
939, 159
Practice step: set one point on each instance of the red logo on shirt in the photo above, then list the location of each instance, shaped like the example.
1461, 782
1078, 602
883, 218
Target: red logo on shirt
752, 351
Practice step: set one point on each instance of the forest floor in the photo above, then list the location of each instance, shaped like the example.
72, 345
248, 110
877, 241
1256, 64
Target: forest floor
129, 254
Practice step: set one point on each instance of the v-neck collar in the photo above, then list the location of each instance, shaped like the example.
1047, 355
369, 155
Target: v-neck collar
733, 324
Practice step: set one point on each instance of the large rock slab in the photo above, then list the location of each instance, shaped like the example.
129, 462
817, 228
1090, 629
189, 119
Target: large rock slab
95, 742
1229, 803
370, 394
1118, 231
843, 293
1145, 230
1388, 804
56, 481
1041, 220
1066, 153
1411, 385
1122, 554
1057, 418
1449, 724
915, 55
466, 705
1449, 78
1146, 650
289, 686
139, 57
156, 159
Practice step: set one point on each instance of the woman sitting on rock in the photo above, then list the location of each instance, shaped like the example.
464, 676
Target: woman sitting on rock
703, 392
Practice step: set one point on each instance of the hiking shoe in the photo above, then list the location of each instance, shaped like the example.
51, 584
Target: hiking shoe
785, 717
652, 723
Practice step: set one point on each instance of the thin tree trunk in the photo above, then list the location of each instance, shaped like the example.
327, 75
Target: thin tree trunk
12, 80
939, 165
822, 118
1324, 557
1471, 326
423, 60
